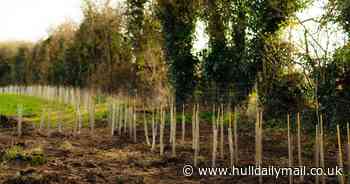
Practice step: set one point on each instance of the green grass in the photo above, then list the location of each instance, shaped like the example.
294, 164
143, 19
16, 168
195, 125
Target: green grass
33, 109
32, 106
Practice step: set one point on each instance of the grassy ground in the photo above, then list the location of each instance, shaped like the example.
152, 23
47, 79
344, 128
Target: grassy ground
32, 106
33, 109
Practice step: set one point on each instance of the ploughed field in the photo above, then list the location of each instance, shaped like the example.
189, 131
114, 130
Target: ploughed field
48, 156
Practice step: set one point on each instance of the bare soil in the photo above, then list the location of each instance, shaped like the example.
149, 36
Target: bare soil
100, 158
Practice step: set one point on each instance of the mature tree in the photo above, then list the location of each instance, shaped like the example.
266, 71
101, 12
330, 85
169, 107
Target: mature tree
101, 51
226, 66
178, 18
268, 17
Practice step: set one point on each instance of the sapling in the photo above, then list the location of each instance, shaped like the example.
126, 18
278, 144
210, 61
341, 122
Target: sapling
215, 137
290, 150
317, 153
323, 180
121, 120
112, 116
130, 122
154, 131
348, 148
222, 132
300, 162
42, 120
213, 117
134, 124
116, 116
235, 135
92, 115
161, 137
258, 141
49, 120
19, 120
197, 128
174, 131
183, 121
59, 121
230, 142
340, 156
79, 119
126, 118
145, 126
116, 120
193, 126
196, 150
171, 122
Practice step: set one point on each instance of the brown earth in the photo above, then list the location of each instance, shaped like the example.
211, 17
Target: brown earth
83, 158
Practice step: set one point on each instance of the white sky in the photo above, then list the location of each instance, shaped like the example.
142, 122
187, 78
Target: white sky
30, 20
329, 37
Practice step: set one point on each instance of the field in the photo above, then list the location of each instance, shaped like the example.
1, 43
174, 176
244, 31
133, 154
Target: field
50, 156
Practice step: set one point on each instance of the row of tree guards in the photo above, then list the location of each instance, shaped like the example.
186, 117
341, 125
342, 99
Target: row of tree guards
125, 118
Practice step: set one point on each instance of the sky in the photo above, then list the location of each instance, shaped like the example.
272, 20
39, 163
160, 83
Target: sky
31, 20
327, 39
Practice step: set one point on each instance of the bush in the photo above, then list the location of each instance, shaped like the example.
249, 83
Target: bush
16, 153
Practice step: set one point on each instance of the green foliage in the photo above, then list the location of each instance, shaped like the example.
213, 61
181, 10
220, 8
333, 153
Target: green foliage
226, 66
282, 89
286, 95
342, 14
13, 153
178, 20
334, 87
34, 158
135, 23
269, 55
14, 57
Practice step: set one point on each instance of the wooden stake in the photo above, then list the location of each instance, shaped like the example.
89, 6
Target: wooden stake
348, 149
49, 120
196, 150
290, 151
154, 132
162, 124
19, 120
183, 123
59, 121
260, 142
174, 132
235, 135
112, 114
92, 115
42, 120
145, 126
317, 154
135, 124
193, 126
300, 162
340, 156
323, 179
222, 132
215, 138
257, 124
230, 137
215, 145
78, 120
120, 119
